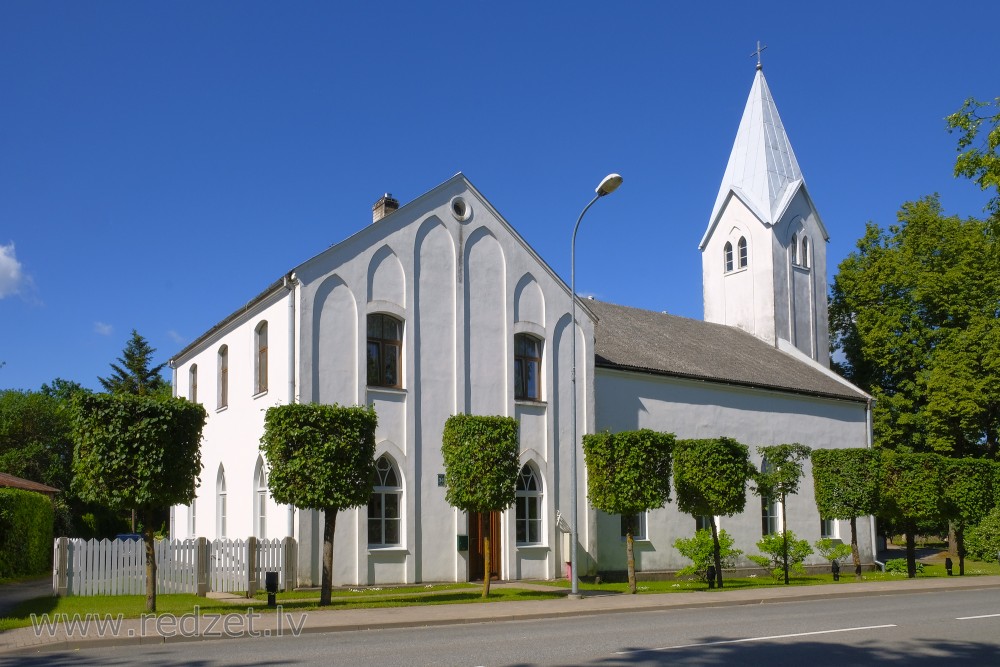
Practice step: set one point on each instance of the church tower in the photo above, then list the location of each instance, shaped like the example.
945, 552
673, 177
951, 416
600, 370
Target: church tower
764, 252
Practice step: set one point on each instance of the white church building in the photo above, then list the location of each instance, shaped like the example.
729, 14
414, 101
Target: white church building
440, 307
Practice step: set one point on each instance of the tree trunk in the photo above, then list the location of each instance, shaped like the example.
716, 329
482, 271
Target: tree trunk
147, 538
911, 551
784, 538
960, 547
630, 558
952, 540
326, 586
487, 565
716, 554
855, 554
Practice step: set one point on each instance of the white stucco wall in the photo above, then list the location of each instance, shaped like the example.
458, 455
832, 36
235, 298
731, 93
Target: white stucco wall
755, 417
463, 286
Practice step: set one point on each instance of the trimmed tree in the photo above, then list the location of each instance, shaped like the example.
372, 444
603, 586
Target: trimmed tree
846, 484
710, 478
628, 473
321, 457
137, 452
911, 496
968, 496
480, 466
781, 477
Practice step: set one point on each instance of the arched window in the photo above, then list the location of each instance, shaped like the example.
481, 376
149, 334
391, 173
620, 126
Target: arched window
193, 383
192, 522
385, 345
805, 252
260, 500
384, 506
768, 507
260, 358
742, 247
223, 376
220, 502
794, 248
728, 254
528, 507
527, 367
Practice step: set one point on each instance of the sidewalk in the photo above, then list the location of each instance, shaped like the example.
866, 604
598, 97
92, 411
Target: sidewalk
288, 623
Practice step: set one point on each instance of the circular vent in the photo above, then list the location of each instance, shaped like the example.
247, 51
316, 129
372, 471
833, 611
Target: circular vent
460, 209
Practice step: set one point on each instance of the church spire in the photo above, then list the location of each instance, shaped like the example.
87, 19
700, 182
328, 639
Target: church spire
762, 169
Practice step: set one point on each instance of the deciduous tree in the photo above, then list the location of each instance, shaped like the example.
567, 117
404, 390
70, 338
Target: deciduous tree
979, 145
968, 496
710, 478
916, 312
137, 452
781, 477
628, 473
321, 457
481, 465
911, 495
846, 485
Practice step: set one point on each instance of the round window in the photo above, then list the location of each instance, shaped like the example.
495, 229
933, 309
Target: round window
460, 209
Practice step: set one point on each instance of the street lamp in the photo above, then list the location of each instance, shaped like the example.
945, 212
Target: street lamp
607, 186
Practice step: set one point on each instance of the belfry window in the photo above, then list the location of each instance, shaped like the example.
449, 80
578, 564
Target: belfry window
742, 247
728, 254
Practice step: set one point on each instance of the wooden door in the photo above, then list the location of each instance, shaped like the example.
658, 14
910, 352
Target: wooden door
479, 522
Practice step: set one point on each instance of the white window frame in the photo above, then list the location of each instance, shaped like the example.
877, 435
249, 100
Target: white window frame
639, 530
382, 490
525, 499
220, 503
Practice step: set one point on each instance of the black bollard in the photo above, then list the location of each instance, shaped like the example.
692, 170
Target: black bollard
835, 567
711, 576
947, 565
271, 585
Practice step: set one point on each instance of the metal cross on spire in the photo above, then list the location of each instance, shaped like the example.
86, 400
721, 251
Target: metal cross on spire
757, 53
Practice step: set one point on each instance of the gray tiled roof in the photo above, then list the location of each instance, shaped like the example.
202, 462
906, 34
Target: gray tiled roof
646, 341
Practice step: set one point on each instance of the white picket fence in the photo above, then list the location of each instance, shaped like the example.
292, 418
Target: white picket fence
118, 567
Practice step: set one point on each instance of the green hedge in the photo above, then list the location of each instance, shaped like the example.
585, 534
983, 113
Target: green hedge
26, 520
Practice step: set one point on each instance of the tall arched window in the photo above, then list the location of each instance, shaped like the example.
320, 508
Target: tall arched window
220, 502
192, 518
794, 249
193, 383
527, 367
528, 507
805, 252
385, 345
260, 500
384, 505
744, 256
260, 358
223, 376
727, 253
768, 507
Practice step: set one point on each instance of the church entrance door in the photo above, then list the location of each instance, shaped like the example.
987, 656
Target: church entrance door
479, 523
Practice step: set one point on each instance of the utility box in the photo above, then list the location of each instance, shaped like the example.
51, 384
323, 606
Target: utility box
463, 542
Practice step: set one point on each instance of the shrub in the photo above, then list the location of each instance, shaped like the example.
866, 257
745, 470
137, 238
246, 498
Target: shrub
699, 550
26, 520
983, 541
771, 548
898, 566
832, 550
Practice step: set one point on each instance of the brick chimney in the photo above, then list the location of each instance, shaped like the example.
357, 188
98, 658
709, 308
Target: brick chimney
383, 207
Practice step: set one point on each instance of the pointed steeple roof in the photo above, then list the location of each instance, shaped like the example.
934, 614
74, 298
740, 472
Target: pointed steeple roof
762, 169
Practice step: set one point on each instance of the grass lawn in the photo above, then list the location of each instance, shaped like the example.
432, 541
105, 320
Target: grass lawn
371, 591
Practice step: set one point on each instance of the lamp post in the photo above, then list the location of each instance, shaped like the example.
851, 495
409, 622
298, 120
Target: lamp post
607, 186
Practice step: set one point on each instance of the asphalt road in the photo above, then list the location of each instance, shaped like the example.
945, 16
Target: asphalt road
960, 627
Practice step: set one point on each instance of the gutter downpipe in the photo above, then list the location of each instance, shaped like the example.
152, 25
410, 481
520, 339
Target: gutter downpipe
870, 437
289, 282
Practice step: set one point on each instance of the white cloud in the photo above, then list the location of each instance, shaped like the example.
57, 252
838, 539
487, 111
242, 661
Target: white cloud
103, 329
11, 275
176, 337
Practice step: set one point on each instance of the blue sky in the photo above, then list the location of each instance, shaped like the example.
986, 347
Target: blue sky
161, 163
